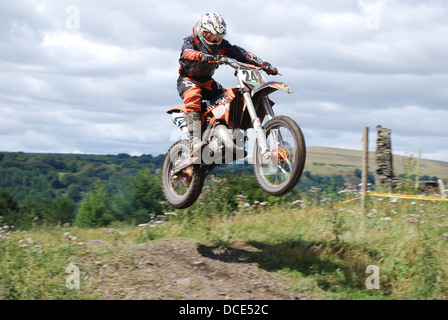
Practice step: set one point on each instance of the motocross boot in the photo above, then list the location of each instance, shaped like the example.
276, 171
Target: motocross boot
193, 121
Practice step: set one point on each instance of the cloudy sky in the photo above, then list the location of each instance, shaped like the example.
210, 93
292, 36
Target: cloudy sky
96, 76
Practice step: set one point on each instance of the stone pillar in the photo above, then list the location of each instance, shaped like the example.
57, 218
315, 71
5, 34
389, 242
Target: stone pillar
384, 171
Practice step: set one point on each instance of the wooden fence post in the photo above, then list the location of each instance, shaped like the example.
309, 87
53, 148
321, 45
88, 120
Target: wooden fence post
365, 168
417, 178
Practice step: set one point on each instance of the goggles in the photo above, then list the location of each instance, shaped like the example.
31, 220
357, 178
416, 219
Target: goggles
217, 38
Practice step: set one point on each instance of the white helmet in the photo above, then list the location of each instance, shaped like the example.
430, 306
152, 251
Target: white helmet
211, 29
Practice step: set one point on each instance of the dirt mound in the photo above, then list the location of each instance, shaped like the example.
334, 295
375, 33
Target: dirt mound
182, 269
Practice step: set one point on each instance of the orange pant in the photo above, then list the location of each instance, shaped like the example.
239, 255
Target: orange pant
193, 91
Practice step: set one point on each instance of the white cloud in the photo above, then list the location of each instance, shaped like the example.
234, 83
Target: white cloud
104, 88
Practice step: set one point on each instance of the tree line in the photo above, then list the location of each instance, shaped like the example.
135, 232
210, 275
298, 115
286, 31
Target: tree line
95, 190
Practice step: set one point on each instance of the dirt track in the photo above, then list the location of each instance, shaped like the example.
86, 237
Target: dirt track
183, 269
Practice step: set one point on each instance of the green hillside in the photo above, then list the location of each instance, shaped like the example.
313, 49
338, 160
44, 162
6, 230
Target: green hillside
329, 161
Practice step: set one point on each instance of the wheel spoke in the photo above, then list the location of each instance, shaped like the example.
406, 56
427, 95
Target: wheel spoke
285, 142
276, 142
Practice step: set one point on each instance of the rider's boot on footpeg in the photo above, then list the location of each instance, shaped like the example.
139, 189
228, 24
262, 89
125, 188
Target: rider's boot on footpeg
193, 120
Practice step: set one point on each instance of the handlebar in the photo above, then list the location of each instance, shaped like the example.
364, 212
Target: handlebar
228, 61
236, 64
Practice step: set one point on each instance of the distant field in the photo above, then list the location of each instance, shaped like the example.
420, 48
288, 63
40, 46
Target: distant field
325, 160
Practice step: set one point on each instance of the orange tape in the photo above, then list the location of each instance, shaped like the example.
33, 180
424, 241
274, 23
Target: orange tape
393, 196
338, 204
405, 196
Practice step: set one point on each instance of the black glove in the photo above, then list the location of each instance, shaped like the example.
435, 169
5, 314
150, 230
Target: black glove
207, 58
269, 69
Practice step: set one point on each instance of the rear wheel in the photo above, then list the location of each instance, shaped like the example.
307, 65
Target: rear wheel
281, 172
181, 189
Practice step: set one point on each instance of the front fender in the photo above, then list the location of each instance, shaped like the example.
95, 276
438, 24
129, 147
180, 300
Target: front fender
271, 86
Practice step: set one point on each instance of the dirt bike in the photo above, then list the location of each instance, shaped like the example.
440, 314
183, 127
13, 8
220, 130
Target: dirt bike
279, 150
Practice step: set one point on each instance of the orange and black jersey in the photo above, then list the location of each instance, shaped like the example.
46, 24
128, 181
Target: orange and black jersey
192, 66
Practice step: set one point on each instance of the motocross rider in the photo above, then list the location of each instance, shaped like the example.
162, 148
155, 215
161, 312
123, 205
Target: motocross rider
195, 82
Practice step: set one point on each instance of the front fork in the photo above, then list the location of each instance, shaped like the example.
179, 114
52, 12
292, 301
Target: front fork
256, 123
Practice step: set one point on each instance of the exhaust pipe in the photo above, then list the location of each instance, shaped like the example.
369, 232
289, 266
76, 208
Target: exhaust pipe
225, 136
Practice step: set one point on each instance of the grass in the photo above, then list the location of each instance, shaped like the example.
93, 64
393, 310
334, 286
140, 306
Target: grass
328, 250
329, 161
322, 251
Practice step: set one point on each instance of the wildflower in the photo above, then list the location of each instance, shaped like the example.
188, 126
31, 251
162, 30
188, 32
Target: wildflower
385, 219
445, 235
69, 236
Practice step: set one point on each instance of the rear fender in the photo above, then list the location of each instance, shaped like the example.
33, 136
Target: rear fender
178, 109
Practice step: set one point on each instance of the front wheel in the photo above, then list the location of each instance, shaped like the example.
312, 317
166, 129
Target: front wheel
181, 189
281, 171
